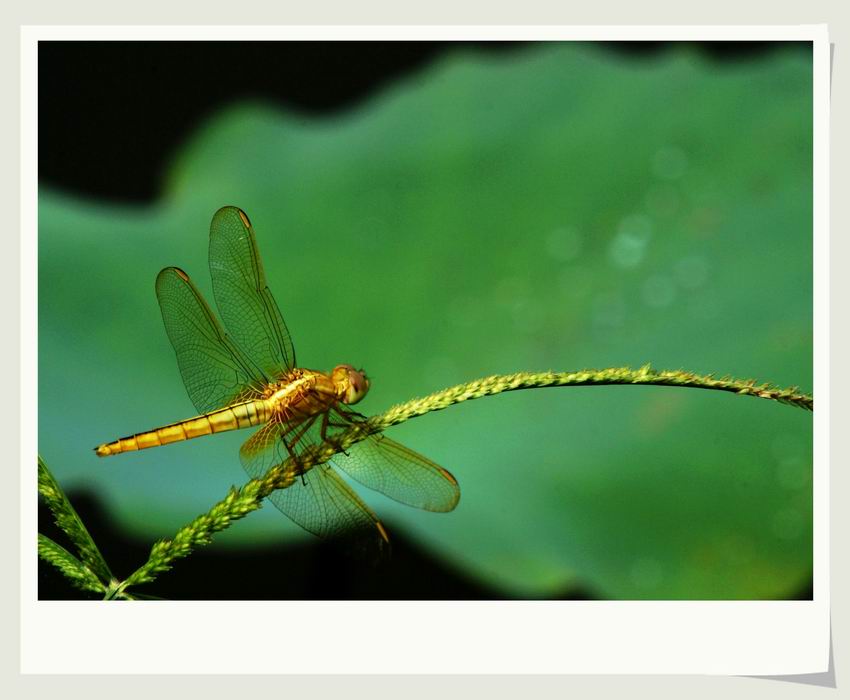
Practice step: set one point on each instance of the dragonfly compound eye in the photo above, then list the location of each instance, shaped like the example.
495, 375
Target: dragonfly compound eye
358, 385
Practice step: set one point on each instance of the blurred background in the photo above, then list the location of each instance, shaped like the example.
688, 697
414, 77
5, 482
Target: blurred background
436, 213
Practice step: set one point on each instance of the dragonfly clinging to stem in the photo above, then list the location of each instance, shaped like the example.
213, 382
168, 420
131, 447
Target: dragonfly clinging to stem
247, 376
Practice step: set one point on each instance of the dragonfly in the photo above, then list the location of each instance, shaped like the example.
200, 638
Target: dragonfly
241, 372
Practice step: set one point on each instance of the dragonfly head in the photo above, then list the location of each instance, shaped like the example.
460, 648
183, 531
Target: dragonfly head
351, 384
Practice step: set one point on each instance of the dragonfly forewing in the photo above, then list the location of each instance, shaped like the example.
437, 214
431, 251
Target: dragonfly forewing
244, 301
214, 370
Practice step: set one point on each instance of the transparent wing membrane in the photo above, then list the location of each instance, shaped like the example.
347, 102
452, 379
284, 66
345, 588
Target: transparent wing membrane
322, 503
271, 444
263, 450
246, 305
214, 370
319, 500
400, 473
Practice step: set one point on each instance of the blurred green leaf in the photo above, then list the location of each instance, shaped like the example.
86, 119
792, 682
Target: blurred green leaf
556, 210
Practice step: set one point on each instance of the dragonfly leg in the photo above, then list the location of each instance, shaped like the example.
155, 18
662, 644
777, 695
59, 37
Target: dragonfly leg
327, 422
290, 444
348, 413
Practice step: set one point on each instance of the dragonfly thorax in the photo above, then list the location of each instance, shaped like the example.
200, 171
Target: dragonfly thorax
308, 391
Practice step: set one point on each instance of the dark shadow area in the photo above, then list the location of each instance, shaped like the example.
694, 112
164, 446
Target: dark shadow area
311, 570
113, 114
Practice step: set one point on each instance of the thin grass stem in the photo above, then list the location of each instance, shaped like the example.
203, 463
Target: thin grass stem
241, 501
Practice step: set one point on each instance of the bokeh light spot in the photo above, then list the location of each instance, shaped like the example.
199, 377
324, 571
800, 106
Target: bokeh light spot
628, 247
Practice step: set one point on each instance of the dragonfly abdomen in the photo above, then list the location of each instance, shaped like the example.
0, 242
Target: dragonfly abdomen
241, 415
